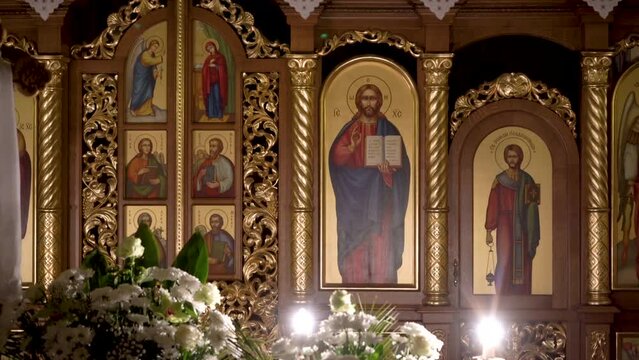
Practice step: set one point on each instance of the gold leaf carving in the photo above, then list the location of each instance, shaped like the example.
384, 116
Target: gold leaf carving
524, 340
103, 47
626, 44
442, 335
99, 160
253, 301
598, 345
21, 43
370, 36
537, 341
512, 86
255, 44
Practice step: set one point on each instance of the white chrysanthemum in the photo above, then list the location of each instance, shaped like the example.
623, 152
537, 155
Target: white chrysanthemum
141, 302
181, 293
62, 341
160, 332
188, 337
138, 318
124, 292
187, 280
422, 342
340, 302
220, 321
332, 356
218, 338
209, 294
162, 274
70, 283
360, 321
131, 247
101, 298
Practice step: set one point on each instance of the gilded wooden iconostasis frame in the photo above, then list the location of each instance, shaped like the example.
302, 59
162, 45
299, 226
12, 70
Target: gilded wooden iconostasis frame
276, 111
514, 109
432, 87
47, 209
97, 87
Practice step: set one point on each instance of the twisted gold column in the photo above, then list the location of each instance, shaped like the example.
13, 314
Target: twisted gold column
595, 67
436, 70
302, 71
49, 197
180, 115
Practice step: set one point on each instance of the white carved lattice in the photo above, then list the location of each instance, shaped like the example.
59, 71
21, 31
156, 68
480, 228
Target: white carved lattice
439, 7
304, 7
44, 7
603, 7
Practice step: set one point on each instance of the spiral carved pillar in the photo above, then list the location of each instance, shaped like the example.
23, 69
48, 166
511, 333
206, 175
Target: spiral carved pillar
436, 70
302, 70
49, 198
595, 68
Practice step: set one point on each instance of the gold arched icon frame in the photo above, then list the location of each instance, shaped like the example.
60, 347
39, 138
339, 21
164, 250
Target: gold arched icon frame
409, 132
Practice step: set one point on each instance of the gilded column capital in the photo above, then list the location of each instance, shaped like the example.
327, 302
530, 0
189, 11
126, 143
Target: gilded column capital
437, 67
596, 67
57, 66
302, 69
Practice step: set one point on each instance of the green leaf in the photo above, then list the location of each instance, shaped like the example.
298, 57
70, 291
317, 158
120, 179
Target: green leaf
194, 258
99, 263
152, 248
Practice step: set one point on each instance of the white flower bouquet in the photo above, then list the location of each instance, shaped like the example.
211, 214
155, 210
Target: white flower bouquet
127, 312
352, 334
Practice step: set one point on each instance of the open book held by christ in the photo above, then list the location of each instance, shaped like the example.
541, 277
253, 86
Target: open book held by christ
380, 148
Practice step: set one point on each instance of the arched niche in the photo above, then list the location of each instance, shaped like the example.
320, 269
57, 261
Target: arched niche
528, 119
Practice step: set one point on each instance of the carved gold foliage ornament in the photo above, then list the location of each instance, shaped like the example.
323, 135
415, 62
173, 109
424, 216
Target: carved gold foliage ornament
442, 335
370, 36
436, 70
302, 70
255, 44
99, 163
253, 301
21, 43
542, 340
50, 205
103, 47
512, 86
598, 345
626, 44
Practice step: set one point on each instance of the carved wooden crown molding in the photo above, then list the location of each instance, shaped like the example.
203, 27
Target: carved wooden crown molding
370, 36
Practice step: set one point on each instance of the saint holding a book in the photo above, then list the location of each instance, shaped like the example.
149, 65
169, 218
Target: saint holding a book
370, 173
